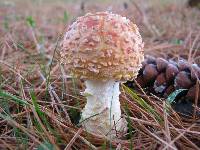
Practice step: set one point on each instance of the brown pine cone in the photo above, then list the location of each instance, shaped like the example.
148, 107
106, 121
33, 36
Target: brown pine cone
164, 77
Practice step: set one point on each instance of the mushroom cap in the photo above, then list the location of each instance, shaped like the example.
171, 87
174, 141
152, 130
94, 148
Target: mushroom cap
102, 46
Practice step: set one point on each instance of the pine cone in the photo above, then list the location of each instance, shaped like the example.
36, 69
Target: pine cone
162, 77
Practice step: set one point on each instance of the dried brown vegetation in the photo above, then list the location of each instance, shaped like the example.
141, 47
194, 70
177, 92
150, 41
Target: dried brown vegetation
40, 105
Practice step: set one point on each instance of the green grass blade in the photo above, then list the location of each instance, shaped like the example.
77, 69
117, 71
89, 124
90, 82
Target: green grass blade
47, 144
130, 128
142, 103
13, 98
171, 98
35, 104
42, 116
30, 21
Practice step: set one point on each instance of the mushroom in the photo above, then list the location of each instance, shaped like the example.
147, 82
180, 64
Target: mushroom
104, 49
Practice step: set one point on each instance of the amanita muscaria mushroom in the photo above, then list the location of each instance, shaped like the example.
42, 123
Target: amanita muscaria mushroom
104, 49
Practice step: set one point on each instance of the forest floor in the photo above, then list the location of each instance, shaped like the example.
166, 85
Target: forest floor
40, 104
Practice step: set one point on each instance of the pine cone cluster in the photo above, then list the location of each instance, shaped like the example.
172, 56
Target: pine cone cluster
162, 77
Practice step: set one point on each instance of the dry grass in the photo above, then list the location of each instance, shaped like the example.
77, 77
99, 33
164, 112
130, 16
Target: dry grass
40, 105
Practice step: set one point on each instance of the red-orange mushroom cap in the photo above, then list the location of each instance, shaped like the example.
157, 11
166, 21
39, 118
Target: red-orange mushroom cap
103, 46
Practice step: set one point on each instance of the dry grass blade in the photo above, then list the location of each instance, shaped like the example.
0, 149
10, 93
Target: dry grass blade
31, 134
73, 139
179, 136
167, 130
14, 71
45, 131
7, 146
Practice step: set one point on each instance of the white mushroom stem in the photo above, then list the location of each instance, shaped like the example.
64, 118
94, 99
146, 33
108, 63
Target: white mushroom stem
102, 111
